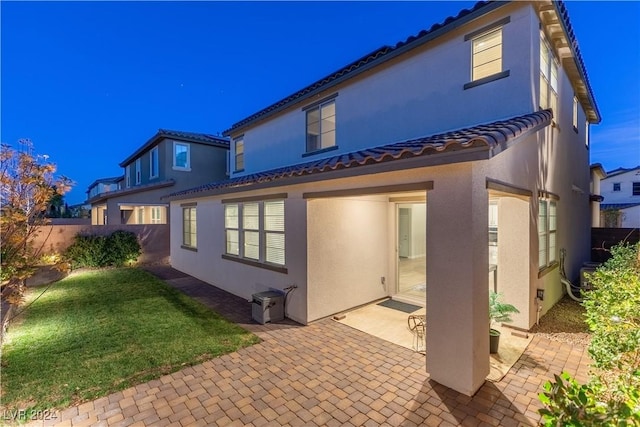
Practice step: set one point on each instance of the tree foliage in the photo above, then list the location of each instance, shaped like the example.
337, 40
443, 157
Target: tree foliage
28, 184
611, 397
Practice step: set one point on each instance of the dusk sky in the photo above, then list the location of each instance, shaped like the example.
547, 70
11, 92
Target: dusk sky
89, 82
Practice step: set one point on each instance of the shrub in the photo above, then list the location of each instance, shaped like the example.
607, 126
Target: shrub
118, 249
611, 397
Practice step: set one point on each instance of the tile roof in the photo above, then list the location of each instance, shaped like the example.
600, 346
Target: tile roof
111, 180
492, 136
607, 206
619, 171
386, 53
202, 138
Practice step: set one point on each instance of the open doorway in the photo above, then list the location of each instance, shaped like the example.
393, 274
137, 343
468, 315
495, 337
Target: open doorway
411, 252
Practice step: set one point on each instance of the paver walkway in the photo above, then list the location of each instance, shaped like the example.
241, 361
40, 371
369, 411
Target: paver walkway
324, 374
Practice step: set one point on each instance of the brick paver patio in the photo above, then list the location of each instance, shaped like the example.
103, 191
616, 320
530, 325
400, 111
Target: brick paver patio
324, 374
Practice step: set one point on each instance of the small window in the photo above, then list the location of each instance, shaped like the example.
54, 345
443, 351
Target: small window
138, 171
181, 156
239, 154
586, 134
616, 186
547, 233
575, 113
636, 189
487, 54
156, 215
189, 227
127, 176
548, 78
321, 126
153, 163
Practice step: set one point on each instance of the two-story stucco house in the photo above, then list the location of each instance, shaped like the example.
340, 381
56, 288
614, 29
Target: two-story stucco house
169, 161
621, 192
403, 173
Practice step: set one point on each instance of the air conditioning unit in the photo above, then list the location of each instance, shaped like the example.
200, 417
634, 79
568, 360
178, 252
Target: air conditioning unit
267, 306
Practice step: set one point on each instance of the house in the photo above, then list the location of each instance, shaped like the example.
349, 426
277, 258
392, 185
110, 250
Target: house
400, 173
169, 161
621, 204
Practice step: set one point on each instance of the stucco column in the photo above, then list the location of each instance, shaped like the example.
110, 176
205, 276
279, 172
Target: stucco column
457, 282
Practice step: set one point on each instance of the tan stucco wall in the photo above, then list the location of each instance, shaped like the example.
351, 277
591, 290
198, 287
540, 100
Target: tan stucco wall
348, 248
243, 280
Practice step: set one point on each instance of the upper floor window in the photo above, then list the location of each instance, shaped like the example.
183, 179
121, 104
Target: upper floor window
636, 189
548, 78
239, 154
487, 54
181, 156
138, 171
616, 186
189, 227
153, 163
127, 176
321, 126
575, 114
547, 232
586, 134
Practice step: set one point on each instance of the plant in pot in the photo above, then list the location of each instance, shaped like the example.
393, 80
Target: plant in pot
499, 311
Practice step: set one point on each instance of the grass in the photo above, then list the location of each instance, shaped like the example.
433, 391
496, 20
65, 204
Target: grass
96, 332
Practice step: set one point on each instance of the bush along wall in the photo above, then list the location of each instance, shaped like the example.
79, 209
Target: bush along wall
118, 249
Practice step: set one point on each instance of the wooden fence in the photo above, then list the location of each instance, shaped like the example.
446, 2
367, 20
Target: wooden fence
602, 239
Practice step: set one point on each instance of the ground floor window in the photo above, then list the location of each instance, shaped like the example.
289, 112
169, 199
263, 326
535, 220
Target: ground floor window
255, 231
189, 227
156, 215
547, 232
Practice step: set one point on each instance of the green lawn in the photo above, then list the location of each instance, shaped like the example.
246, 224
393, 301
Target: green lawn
97, 332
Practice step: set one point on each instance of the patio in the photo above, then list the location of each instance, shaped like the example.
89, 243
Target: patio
323, 374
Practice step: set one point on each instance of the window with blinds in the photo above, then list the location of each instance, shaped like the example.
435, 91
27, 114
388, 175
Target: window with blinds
487, 54
255, 231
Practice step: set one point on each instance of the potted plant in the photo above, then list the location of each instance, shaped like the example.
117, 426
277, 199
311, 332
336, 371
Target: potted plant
498, 312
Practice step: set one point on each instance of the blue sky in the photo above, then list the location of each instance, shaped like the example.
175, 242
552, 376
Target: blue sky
89, 82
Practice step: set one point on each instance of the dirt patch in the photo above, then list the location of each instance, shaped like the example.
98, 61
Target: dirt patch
564, 322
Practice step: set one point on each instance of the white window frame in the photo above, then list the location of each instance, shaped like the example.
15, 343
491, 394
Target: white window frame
323, 122
547, 233
156, 215
549, 72
138, 171
238, 160
127, 176
187, 167
154, 168
476, 43
586, 134
189, 227
269, 236
575, 113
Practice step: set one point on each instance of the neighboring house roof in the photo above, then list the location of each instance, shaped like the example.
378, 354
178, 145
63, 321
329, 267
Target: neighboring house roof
620, 171
201, 138
608, 206
386, 53
113, 180
131, 190
493, 138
